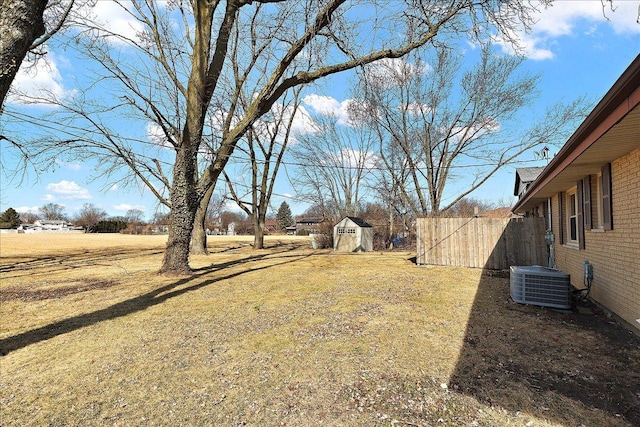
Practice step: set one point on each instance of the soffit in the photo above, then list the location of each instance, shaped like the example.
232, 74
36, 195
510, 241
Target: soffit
619, 140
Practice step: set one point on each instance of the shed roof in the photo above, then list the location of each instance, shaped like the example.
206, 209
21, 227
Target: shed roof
358, 221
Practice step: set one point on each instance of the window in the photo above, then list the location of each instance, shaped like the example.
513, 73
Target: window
572, 216
593, 202
343, 230
585, 206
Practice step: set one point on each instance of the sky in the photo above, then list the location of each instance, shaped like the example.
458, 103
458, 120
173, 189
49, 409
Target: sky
576, 48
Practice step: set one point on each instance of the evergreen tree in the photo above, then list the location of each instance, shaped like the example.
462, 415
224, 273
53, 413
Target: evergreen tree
284, 216
10, 219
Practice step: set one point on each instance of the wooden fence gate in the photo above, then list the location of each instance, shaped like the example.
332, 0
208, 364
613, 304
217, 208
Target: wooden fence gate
492, 243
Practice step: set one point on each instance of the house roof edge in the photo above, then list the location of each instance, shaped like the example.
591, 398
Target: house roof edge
622, 90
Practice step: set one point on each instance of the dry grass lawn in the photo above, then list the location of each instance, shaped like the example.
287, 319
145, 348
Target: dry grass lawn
91, 335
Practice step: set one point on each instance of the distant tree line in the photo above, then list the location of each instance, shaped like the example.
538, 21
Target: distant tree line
110, 226
91, 218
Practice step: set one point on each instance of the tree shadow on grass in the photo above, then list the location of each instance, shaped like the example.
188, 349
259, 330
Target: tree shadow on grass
144, 301
24, 266
573, 367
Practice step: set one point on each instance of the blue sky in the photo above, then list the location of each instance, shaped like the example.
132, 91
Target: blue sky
576, 49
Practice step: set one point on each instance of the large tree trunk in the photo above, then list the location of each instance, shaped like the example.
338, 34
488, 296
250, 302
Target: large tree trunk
184, 203
185, 194
199, 236
21, 22
258, 231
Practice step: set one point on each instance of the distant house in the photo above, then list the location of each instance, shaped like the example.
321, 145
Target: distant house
589, 196
308, 225
270, 226
524, 178
352, 234
291, 230
47, 225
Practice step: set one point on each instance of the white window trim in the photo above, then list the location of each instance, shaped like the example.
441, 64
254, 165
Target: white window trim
567, 219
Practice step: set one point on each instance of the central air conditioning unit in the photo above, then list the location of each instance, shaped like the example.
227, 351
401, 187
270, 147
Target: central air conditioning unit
543, 286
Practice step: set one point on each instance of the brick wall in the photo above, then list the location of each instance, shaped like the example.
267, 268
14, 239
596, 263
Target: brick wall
615, 254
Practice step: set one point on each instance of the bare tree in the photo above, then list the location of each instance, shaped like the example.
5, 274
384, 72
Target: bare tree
247, 77
215, 208
89, 216
188, 45
266, 145
452, 123
468, 207
390, 188
29, 217
160, 218
25, 25
134, 216
334, 162
52, 211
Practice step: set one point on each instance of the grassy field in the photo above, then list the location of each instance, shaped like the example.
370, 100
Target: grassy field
91, 335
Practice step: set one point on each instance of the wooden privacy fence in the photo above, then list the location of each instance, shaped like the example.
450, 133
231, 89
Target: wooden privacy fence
493, 243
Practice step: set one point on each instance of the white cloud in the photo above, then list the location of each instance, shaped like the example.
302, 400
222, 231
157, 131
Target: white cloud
115, 19
68, 165
324, 104
355, 159
328, 106
157, 135
37, 81
389, 73
482, 128
126, 207
529, 45
303, 123
48, 198
397, 67
68, 190
419, 109
562, 20
28, 209
114, 187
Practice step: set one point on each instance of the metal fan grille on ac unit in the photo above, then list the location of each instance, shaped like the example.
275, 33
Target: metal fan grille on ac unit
541, 286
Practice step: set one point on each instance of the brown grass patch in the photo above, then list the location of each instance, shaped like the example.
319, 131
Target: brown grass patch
52, 290
291, 336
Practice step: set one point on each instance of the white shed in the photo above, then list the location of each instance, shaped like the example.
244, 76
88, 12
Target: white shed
352, 234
